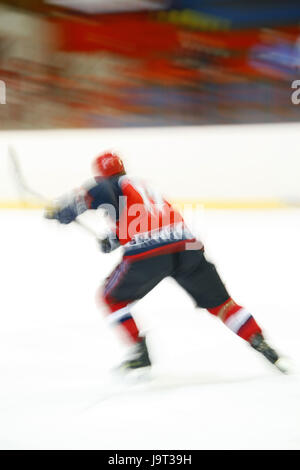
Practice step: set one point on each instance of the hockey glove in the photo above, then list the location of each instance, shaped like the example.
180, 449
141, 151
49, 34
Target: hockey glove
68, 208
64, 215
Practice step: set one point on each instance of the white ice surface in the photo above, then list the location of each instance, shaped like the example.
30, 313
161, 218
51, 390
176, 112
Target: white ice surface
210, 391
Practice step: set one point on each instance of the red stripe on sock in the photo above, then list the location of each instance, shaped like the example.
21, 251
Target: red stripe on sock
249, 329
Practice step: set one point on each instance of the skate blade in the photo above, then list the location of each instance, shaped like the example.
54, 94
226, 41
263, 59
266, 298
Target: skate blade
283, 364
133, 376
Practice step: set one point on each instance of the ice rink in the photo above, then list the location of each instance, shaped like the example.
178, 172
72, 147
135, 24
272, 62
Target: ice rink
210, 390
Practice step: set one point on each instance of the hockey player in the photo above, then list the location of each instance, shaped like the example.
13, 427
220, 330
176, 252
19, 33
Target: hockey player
156, 244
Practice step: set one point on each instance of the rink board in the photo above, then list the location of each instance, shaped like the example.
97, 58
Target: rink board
244, 166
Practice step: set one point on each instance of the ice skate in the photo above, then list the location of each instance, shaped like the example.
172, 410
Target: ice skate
259, 344
139, 358
138, 364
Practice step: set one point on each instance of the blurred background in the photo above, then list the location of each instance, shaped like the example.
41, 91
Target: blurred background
120, 63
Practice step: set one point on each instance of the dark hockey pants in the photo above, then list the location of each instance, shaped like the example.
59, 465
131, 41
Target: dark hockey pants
131, 281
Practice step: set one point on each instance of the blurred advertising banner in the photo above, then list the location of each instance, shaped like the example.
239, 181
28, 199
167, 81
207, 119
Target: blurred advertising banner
141, 35
129, 34
240, 14
199, 14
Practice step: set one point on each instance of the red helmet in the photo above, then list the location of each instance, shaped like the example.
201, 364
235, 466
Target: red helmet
108, 164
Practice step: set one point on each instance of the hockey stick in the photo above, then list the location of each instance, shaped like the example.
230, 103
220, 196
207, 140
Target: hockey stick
24, 189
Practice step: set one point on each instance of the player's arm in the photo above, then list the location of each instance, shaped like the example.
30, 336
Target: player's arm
67, 209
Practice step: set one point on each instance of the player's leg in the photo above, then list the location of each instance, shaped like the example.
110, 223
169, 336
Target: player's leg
129, 282
202, 281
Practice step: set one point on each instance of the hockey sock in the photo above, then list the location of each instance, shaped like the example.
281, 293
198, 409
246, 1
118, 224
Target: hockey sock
120, 315
237, 319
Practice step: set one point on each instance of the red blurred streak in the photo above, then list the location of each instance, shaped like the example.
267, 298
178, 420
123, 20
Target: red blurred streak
140, 34
134, 35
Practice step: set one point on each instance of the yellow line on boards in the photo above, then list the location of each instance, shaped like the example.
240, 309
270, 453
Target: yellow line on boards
181, 204
231, 204
20, 205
